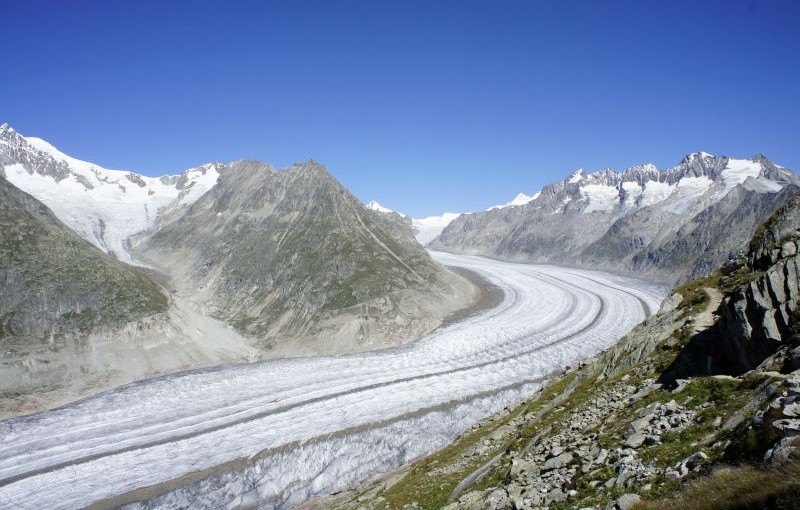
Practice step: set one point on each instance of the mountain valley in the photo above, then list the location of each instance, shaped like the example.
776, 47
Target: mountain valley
230, 254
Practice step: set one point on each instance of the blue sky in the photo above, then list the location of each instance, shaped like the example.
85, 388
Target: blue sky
425, 106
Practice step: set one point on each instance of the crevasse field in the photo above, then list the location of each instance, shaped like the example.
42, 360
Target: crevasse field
273, 434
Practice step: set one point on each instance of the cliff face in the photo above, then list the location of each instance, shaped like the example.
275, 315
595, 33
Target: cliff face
759, 316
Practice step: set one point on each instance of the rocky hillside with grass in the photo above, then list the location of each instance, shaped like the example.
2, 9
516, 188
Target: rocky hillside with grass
293, 260
58, 290
697, 407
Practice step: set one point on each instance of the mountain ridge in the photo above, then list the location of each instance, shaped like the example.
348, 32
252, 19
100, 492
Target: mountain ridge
636, 219
290, 218
104, 206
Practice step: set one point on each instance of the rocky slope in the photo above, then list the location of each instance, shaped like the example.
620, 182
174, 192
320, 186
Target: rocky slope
57, 291
291, 257
682, 412
668, 225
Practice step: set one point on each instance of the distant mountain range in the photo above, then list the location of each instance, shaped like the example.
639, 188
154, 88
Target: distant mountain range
667, 225
428, 228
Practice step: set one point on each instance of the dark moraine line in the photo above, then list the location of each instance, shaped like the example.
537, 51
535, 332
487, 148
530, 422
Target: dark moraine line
153, 491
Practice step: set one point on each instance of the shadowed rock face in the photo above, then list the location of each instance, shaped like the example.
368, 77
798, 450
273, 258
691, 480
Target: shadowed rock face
758, 313
760, 316
292, 253
55, 283
667, 225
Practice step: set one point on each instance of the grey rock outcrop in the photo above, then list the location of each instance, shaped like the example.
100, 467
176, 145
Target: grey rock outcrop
626, 502
759, 316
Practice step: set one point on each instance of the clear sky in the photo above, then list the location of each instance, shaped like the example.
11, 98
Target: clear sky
426, 106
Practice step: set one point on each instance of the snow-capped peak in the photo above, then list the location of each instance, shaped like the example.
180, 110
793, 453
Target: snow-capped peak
50, 149
375, 206
105, 207
576, 176
520, 199
697, 156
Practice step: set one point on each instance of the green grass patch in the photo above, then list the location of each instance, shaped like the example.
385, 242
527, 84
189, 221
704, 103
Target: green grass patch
727, 397
743, 488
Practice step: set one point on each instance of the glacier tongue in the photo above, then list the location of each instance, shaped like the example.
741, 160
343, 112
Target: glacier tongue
427, 229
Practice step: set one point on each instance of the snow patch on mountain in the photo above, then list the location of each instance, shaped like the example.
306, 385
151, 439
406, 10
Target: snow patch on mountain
632, 192
738, 170
425, 229
655, 192
687, 193
77, 164
601, 197
374, 205
576, 176
105, 207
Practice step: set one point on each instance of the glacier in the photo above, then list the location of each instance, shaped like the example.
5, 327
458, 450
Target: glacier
273, 434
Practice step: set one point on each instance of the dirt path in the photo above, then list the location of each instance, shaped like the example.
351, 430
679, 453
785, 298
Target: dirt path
707, 318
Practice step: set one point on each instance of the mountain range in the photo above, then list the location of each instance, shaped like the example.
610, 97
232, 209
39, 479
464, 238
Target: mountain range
667, 225
111, 276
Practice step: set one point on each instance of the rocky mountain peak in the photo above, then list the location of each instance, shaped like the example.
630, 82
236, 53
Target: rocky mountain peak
280, 253
698, 156
8, 135
313, 171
